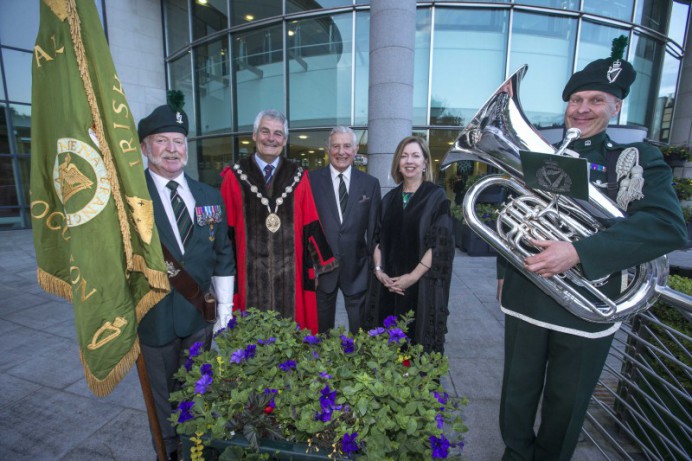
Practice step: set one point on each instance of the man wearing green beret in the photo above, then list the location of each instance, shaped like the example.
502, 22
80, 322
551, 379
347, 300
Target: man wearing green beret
191, 221
551, 354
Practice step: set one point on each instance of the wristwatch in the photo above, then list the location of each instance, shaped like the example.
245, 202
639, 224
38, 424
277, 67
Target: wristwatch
378, 268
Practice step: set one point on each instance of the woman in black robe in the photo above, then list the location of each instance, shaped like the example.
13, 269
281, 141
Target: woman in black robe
414, 249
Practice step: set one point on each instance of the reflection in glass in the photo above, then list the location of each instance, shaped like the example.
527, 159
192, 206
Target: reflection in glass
2, 84
463, 37
595, 42
319, 65
8, 192
362, 69
678, 22
212, 156
245, 11
19, 23
638, 107
653, 14
622, 9
421, 66
557, 4
209, 17
21, 125
296, 6
18, 74
180, 75
177, 25
541, 89
214, 84
665, 103
4, 140
24, 173
258, 73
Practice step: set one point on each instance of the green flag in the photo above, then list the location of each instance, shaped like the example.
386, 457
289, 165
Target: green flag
92, 217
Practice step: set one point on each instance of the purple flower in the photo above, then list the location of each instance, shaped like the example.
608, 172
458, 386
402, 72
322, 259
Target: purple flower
232, 323
238, 356
267, 341
270, 391
376, 331
390, 321
440, 420
440, 447
312, 340
288, 365
185, 414
203, 383
328, 398
349, 444
250, 351
347, 344
396, 334
206, 369
315, 355
442, 398
195, 349
325, 375
325, 415
188, 364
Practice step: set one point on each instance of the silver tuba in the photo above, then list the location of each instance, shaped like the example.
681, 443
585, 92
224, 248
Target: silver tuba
495, 136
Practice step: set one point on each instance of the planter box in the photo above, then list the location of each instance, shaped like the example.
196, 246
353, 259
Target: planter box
277, 449
473, 245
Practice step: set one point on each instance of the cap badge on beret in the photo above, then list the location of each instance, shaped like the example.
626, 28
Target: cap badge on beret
179, 118
614, 71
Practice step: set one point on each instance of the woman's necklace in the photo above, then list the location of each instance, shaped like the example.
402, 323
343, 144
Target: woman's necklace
273, 222
406, 196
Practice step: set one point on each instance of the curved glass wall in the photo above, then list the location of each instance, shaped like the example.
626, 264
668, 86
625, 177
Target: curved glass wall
310, 59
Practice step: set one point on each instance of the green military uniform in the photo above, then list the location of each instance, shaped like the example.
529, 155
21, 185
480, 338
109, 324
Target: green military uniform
545, 341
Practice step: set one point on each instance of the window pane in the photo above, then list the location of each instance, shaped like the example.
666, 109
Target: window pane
244, 11
653, 14
362, 73
21, 124
19, 23
463, 41
8, 187
209, 17
665, 103
177, 25
259, 73
2, 84
421, 66
18, 73
307, 148
181, 80
319, 54
296, 6
4, 140
639, 106
559, 4
213, 155
214, 83
678, 22
622, 9
555, 38
596, 41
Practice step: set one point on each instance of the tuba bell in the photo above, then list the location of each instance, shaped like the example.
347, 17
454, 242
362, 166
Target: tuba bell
495, 136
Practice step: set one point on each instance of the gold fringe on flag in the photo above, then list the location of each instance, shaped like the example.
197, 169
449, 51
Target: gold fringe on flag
103, 387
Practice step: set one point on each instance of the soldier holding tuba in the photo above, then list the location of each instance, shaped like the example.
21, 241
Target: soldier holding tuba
549, 351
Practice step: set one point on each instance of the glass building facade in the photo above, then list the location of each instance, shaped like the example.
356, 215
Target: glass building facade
310, 59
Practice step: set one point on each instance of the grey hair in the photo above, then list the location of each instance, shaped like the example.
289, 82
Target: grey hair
271, 114
342, 129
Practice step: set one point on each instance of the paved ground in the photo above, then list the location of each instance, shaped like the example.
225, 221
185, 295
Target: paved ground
47, 411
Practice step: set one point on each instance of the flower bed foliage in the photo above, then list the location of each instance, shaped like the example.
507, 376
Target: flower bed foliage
683, 188
372, 396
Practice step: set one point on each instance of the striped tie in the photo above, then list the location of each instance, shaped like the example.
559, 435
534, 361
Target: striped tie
182, 217
268, 173
343, 194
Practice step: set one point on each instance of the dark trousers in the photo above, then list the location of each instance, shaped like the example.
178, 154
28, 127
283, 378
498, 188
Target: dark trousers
564, 369
326, 309
162, 363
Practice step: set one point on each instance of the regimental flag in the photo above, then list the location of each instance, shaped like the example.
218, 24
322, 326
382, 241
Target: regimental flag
92, 217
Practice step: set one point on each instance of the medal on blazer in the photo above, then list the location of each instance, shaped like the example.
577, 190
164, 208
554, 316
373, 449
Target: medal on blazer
208, 216
272, 222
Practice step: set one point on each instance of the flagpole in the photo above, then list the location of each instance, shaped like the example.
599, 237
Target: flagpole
151, 409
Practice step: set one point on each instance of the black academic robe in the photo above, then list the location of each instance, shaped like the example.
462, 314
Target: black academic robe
404, 236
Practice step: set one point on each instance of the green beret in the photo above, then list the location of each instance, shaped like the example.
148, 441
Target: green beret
169, 118
612, 75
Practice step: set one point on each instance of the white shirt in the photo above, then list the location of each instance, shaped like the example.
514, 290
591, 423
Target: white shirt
261, 163
336, 182
165, 194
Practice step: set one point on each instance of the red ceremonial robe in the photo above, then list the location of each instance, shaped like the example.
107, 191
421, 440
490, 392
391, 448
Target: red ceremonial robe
276, 270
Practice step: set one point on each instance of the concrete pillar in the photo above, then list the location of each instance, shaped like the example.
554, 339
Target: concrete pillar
681, 132
390, 93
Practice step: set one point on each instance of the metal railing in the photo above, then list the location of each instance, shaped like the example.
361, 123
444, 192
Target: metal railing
642, 406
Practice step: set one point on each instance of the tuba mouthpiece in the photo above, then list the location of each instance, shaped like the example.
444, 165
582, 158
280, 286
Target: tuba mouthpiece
570, 135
